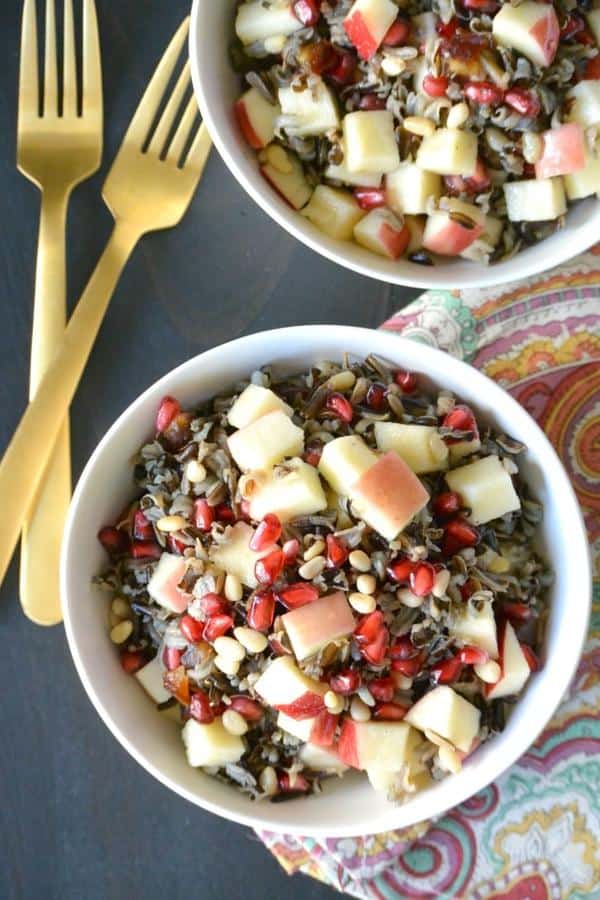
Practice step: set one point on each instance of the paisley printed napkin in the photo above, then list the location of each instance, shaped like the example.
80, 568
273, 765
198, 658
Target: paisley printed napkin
535, 833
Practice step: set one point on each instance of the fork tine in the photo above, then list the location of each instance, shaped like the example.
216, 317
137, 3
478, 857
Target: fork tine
183, 131
92, 66
196, 158
50, 66
148, 106
28, 70
69, 64
159, 138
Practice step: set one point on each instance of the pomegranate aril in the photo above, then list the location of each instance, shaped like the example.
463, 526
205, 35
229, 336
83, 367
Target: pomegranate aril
376, 396
409, 667
391, 712
324, 727
132, 661
321, 56
340, 406
458, 534
290, 551
483, 6
371, 102
369, 198
307, 12
592, 69
262, 611
524, 102
403, 648
224, 513
467, 589
401, 570
313, 454
191, 629
212, 604
299, 594
572, 25
375, 652
421, 580
337, 553
172, 658
142, 528
397, 34
115, 542
447, 504
483, 92
304, 707
168, 409
383, 689
369, 627
249, 709
446, 671
175, 545
204, 515
435, 86
343, 72
146, 550
200, 708
517, 612
447, 30
532, 659
345, 682
477, 183
299, 785
269, 568
406, 380
473, 656
460, 418
217, 626
268, 532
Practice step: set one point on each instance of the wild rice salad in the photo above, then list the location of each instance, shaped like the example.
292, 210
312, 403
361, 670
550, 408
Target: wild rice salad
424, 128
329, 570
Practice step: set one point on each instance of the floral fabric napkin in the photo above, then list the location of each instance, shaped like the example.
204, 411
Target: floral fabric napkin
535, 833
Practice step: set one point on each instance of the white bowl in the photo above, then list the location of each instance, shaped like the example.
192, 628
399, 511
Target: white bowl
348, 806
217, 86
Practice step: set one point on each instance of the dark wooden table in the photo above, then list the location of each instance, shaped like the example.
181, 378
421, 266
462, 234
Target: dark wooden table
78, 818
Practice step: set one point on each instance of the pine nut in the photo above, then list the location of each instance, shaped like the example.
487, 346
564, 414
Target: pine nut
268, 780
342, 381
312, 568
365, 695
121, 632
233, 588
449, 760
229, 648
420, 125
275, 44
438, 447
359, 711
366, 584
362, 603
360, 560
279, 159
499, 565
393, 65
314, 550
227, 666
458, 115
333, 702
440, 583
234, 722
532, 146
489, 672
169, 524
195, 471
121, 608
252, 640
407, 598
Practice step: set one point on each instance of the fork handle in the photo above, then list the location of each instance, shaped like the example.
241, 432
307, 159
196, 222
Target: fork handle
25, 459
42, 532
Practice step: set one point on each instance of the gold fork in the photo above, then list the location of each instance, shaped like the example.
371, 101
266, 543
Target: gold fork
56, 150
146, 190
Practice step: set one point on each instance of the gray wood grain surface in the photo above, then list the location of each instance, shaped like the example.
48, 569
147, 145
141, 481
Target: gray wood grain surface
78, 817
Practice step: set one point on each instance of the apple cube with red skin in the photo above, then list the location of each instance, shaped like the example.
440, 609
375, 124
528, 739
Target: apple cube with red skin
255, 401
448, 151
288, 491
388, 495
256, 118
586, 181
333, 211
530, 28
266, 441
410, 189
211, 744
285, 687
234, 556
299, 728
150, 677
163, 585
492, 232
383, 745
513, 664
452, 229
486, 488
383, 233
563, 153
344, 460
475, 625
583, 103
313, 626
256, 21
321, 760
289, 180
367, 23
448, 714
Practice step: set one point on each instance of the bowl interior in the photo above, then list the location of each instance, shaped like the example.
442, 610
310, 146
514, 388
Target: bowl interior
347, 806
217, 87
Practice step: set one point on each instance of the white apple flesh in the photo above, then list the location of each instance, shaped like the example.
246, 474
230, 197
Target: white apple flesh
321, 760
367, 24
486, 488
343, 461
256, 118
418, 445
313, 626
287, 492
234, 556
530, 28
449, 231
409, 189
211, 744
382, 233
150, 677
475, 625
162, 586
388, 495
255, 401
370, 141
587, 180
310, 112
256, 21
333, 211
583, 103
448, 151
513, 664
265, 442
448, 714
282, 683
535, 200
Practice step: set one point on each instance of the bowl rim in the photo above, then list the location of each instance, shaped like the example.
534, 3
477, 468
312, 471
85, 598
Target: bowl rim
560, 484
492, 276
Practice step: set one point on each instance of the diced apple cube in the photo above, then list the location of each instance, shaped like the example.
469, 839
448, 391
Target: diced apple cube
387, 746
563, 153
486, 488
266, 441
383, 233
212, 744
310, 112
529, 28
282, 683
593, 20
393, 783
451, 230
513, 664
367, 24
256, 118
370, 141
163, 588
255, 401
492, 231
409, 189
256, 21
535, 200
342, 173
583, 103
234, 555
388, 495
343, 461
289, 491
448, 714
312, 627
287, 177
420, 446
321, 760
586, 181
476, 625
150, 677
449, 151
333, 211
299, 728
